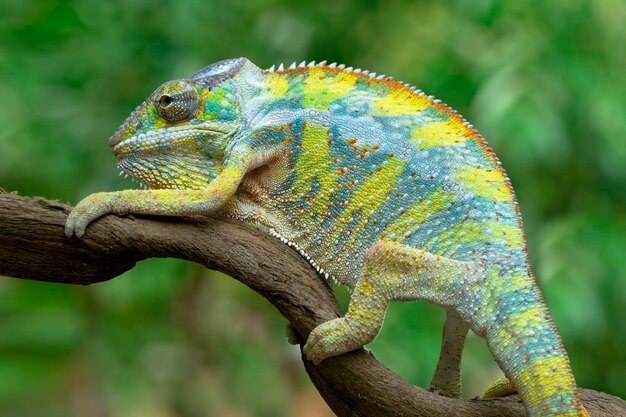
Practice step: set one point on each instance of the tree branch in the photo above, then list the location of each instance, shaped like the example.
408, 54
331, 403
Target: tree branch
32, 246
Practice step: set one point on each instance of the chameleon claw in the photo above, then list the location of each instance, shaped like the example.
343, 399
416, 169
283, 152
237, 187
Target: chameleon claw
75, 225
329, 339
311, 348
86, 211
79, 232
311, 351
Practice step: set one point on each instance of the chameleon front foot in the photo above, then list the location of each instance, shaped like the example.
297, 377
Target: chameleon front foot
86, 211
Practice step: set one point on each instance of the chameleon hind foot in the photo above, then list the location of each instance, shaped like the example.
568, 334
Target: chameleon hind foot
499, 388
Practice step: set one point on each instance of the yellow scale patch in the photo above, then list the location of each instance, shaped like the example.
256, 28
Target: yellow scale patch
277, 85
314, 162
160, 123
400, 102
439, 134
411, 220
548, 372
320, 90
489, 184
472, 231
529, 319
368, 197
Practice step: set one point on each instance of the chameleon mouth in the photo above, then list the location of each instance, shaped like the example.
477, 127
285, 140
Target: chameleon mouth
163, 138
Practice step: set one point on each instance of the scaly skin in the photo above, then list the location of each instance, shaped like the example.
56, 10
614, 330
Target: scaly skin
380, 187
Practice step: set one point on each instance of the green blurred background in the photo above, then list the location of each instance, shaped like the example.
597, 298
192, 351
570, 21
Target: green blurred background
543, 81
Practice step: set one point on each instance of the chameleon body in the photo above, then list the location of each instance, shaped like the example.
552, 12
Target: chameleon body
382, 188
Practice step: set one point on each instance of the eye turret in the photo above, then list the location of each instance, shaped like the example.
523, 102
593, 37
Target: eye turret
176, 101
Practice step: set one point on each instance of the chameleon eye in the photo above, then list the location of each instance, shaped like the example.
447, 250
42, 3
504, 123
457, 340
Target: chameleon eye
165, 101
176, 101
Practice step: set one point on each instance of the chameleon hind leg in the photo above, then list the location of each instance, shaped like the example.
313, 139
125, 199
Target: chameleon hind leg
447, 378
360, 325
391, 271
504, 308
507, 309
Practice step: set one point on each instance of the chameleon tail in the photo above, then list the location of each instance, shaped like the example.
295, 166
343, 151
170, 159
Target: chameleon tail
525, 343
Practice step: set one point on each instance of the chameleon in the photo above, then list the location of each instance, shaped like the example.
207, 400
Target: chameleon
382, 188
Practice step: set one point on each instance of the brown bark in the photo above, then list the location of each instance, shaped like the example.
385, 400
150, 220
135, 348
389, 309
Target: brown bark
33, 246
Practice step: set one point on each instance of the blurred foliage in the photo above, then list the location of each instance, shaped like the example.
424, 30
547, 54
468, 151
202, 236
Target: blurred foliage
544, 82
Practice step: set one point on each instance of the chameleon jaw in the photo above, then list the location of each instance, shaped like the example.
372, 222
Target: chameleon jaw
172, 172
170, 137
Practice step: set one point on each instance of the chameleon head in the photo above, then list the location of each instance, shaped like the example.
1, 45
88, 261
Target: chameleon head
177, 137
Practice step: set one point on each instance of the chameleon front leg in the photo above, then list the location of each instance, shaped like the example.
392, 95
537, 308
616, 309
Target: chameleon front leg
447, 378
165, 202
